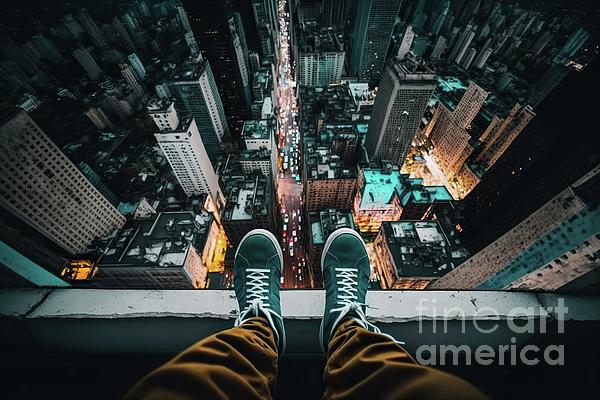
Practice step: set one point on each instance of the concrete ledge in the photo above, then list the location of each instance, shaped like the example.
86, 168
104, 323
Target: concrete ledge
166, 321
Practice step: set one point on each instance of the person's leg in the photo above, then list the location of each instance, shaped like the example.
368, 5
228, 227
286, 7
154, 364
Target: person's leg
362, 362
240, 362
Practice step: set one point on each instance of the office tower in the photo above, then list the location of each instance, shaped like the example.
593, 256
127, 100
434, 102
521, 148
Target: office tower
190, 40
462, 44
122, 35
254, 60
183, 18
131, 79
438, 48
46, 49
333, 13
540, 44
181, 244
182, 145
87, 62
373, 27
451, 143
72, 26
406, 42
41, 186
321, 58
554, 246
497, 140
328, 182
574, 43
137, 66
559, 70
468, 58
14, 53
99, 118
420, 45
90, 27
241, 63
414, 254
404, 93
482, 57
436, 28
250, 204
469, 105
195, 91
265, 17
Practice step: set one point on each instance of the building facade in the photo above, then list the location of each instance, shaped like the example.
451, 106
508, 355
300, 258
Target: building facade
42, 187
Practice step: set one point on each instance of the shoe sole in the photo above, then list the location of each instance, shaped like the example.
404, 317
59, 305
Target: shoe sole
270, 236
335, 235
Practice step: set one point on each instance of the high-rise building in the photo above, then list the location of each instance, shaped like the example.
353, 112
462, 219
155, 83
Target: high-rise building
574, 43
469, 105
404, 93
241, 62
122, 35
406, 43
195, 91
131, 79
438, 48
462, 44
482, 57
261, 148
559, 70
87, 62
265, 17
99, 118
43, 188
551, 248
321, 58
333, 13
14, 53
468, 58
137, 66
183, 18
496, 140
183, 147
373, 27
90, 27
45, 48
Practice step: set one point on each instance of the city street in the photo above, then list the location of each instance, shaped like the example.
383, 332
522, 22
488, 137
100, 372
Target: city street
295, 271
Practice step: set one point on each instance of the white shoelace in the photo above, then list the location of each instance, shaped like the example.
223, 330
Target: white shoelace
347, 300
257, 282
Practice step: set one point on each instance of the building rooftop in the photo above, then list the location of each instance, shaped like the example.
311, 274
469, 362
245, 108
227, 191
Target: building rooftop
420, 249
191, 70
258, 129
162, 240
315, 40
323, 222
261, 154
322, 163
157, 104
247, 196
381, 184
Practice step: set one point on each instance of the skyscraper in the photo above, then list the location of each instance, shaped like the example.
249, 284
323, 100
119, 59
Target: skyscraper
559, 70
42, 187
137, 65
122, 34
551, 248
183, 18
482, 57
497, 140
373, 27
265, 17
181, 143
438, 48
241, 62
462, 44
405, 90
469, 105
87, 62
406, 42
574, 43
90, 27
195, 92
131, 80
321, 58
14, 53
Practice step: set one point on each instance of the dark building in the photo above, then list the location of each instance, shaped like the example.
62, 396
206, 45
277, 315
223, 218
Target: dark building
555, 149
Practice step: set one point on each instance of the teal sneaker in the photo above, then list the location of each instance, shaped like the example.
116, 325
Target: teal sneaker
256, 273
346, 273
